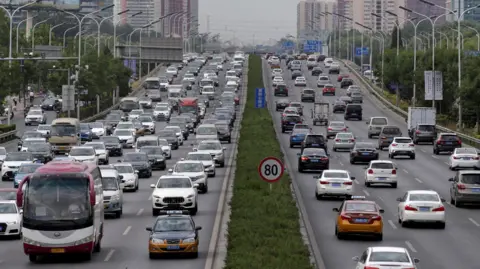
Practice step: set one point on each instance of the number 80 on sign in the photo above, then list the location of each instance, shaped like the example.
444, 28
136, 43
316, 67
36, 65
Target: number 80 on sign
271, 169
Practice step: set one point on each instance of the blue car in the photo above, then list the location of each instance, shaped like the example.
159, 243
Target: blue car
23, 171
85, 132
297, 136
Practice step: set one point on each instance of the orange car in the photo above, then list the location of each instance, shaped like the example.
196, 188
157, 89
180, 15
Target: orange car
359, 217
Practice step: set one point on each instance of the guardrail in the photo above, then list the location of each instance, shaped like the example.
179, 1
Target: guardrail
377, 91
8, 136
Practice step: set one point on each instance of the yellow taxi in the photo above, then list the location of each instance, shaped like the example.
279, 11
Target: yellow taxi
174, 232
359, 217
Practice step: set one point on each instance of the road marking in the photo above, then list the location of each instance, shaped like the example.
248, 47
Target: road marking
140, 212
446, 163
109, 255
356, 182
474, 222
127, 230
366, 193
410, 246
435, 157
340, 163
422, 150
448, 203
149, 197
392, 224
417, 179
405, 170
381, 199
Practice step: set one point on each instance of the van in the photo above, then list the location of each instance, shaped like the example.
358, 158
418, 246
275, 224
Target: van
148, 140
174, 93
113, 185
375, 125
354, 111
206, 132
128, 104
387, 134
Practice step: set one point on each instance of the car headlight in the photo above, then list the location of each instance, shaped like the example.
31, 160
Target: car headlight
29, 241
156, 196
160, 160
191, 196
11, 222
188, 240
84, 240
114, 198
157, 241
179, 134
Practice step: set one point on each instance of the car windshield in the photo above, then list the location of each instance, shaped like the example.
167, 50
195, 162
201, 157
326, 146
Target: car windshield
204, 130
163, 142
149, 84
188, 167
44, 128
124, 169
379, 121
113, 117
39, 147
109, 183
364, 146
172, 182
466, 151
449, 137
35, 112
8, 208
135, 157
144, 99
335, 175
110, 139
152, 150
173, 225
166, 133
125, 125
96, 145
161, 108
471, 179
176, 129
403, 140
27, 169
337, 124
209, 146
18, 156
362, 207
84, 127
382, 166
309, 91
145, 119
391, 130
380, 256
136, 112
314, 151
28, 143
3, 151
82, 151
426, 128
95, 125
122, 133
344, 135
63, 130
199, 157
424, 197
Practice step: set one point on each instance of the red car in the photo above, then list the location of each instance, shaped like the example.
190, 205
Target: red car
237, 100
340, 77
328, 89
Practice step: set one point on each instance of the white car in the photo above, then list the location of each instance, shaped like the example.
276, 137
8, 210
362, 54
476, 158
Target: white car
205, 158
334, 183
134, 114
174, 191
423, 206
97, 129
84, 154
130, 176
381, 172
464, 158
386, 258
32, 140
178, 133
209, 91
277, 80
214, 148
300, 81
206, 132
231, 73
353, 88
194, 170
127, 137
126, 125
161, 112
100, 150
172, 70
12, 163
35, 117
45, 129
232, 84
277, 72
189, 77
401, 146
145, 102
166, 147
147, 123
11, 215
344, 141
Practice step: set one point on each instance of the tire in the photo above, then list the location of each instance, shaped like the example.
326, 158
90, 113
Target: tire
300, 169
379, 237
32, 258
334, 149
118, 214
98, 247
394, 185
155, 212
442, 225
291, 146
87, 256
194, 211
205, 189
222, 164
352, 161
412, 157
317, 196
368, 185
151, 256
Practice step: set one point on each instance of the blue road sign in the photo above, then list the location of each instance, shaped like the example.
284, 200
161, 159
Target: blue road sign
288, 44
471, 53
260, 101
359, 51
312, 46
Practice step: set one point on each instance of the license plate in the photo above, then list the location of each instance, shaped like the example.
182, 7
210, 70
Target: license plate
476, 190
336, 184
466, 158
365, 153
292, 123
448, 143
62, 148
314, 161
315, 145
361, 220
344, 141
175, 247
424, 209
381, 178
1, 229
57, 250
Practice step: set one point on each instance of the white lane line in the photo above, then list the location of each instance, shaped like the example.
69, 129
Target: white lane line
356, 182
340, 163
418, 180
366, 193
446, 163
109, 255
149, 197
435, 157
422, 150
381, 199
127, 230
410, 246
405, 170
140, 212
392, 224
474, 222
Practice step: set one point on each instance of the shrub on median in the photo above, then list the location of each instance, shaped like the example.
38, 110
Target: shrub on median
4, 128
264, 229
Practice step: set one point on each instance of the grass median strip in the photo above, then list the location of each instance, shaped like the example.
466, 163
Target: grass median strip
264, 229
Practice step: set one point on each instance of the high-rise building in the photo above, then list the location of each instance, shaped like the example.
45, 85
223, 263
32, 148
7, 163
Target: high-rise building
462, 5
178, 24
312, 22
134, 6
427, 9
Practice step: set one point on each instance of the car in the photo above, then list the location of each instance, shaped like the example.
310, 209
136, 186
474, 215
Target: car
465, 188
35, 117
344, 141
145, 102
85, 132
174, 192
357, 97
297, 136
311, 62
134, 114
322, 81
161, 113
464, 158
232, 84
45, 129
113, 187
113, 145
130, 176
317, 70
339, 106
300, 81
397, 257
171, 137
166, 148
51, 104
180, 231
100, 151
334, 183
41, 152
446, 142
423, 133
178, 132
313, 140
381, 172
296, 74
215, 148
189, 77
127, 137
140, 162
342, 76
97, 129
359, 217
280, 90
224, 132
156, 157
335, 127
353, 111
401, 146
298, 106
375, 125
346, 99
346, 82
24, 170
11, 219
295, 65
25, 136
289, 120
206, 159
281, 104
334, 68
30, 141
307, 95
172, 70
277, 80
84, 154
421, 206
353, 88
12, 163
387, 134
363, 152
277, 72
193, 169
328, 89
313, 159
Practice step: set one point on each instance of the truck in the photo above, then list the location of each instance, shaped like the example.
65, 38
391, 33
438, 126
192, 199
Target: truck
321, 113
421, 124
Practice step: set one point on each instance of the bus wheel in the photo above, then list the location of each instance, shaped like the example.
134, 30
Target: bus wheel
87, 256
98, 246
32, 258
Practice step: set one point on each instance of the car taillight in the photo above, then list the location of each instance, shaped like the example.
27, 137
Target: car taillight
394, 172
323, 182
337, 140
394, 145
409, 208
347, 183
461, 187
439, 142
344, 129
376, 217
345, 217
352, 140
439, 209
459, 141
304, 158
411, 145
370, 267
324, 159
370, 171
456, 158
417, 132
475, 158
329, 128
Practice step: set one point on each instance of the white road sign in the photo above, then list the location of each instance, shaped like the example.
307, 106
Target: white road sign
271, 169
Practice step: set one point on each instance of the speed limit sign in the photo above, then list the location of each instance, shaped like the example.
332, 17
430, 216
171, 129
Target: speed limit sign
271, 169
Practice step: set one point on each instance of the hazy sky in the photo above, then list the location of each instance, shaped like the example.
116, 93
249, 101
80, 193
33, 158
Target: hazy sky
249, 20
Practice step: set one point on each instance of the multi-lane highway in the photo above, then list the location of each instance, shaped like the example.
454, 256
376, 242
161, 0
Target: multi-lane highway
125, 244
454, 247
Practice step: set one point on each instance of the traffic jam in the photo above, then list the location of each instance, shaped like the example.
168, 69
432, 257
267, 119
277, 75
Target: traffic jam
67, 182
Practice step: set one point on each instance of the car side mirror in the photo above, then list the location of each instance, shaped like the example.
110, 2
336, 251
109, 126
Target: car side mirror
121, 177
224, 148
399, 200
451, 179
136, 171
356, 258
170, 171
21, 211
335, 209
198, 228
152, 186
352, 178
149, 229
381, 211
415, 260
123, 180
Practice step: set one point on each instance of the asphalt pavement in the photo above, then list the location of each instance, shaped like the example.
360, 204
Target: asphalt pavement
125, 243
454, 247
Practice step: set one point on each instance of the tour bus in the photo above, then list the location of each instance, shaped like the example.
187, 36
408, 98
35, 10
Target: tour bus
63, 210
65, 134
152, 88
128, 104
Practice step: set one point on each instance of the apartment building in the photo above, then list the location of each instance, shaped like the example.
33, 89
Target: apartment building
177, 25
313, 20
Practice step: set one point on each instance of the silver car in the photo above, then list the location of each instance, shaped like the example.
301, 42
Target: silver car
344, 141
357, 97
336, 127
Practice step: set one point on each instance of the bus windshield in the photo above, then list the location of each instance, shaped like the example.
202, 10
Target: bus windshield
152, 84
188, 109
63, 130
57, 202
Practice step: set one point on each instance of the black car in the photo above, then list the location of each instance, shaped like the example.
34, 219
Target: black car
224, 133
346, 82
353, 111
339, 106
280, 89
170, 136
296, 73
281, 104
113, 145
313, 159
315, 141
317, 71
51, 104
41, 152
289, 121
204, 99
140, 162
156, 157
446, 142
183, 127
28, 134
363, 152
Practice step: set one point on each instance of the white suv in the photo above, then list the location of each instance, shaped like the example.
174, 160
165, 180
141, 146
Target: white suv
174, 191
401, 146
381, 172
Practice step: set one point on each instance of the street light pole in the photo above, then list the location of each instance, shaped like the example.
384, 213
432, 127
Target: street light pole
115, 33
100, 26
18, 29
50, 32
477, 34
33, 32
65, 35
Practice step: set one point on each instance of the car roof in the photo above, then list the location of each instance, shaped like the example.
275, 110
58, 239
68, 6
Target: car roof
336, 171
189, 161
422, 192
388, 249
402, 137
381, 161
173, 176
462, 172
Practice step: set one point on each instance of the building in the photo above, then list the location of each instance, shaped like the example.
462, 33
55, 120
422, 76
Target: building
180, 24
427, 9
312, 20
462, 5
134, 6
